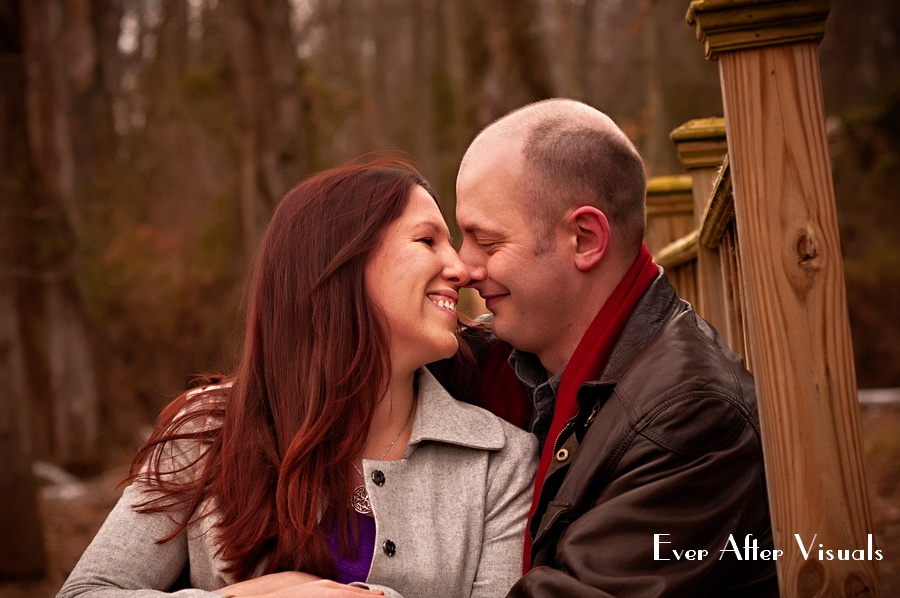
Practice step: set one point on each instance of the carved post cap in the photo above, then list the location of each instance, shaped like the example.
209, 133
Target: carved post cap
670, 186
670, 210
729, 25
701, 142
667, 195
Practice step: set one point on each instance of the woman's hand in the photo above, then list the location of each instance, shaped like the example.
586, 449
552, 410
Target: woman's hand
294, 584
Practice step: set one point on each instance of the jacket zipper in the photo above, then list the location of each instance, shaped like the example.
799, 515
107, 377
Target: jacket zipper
571, 421
564, 428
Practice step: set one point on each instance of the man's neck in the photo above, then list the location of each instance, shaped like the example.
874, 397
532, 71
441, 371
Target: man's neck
556, 357
589, 296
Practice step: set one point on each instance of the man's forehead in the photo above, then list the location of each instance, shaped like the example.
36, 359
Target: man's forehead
473, 210
490, 151
492, 215
488, 174
474, 172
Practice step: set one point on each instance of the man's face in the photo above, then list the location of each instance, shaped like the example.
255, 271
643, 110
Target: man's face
521, 288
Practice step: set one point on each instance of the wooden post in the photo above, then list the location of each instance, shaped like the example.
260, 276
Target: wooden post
669, 210
794, 285
702, 148
670, 216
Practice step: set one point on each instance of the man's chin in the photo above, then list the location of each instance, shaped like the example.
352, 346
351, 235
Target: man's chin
503, 330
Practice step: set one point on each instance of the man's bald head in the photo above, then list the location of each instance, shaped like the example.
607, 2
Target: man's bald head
566, 154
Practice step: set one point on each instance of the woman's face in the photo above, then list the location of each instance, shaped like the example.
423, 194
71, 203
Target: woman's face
414, 277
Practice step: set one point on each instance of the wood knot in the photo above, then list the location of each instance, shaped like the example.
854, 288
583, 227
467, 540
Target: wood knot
807, 250
856, 587
810, 579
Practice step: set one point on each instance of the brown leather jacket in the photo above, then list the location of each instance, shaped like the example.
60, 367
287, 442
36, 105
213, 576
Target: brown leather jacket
666, 442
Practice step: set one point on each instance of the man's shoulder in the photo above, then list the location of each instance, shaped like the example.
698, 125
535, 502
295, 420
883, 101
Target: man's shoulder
676, 348
686, 389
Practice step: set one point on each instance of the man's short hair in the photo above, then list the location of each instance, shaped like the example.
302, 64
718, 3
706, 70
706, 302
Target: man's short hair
573, 161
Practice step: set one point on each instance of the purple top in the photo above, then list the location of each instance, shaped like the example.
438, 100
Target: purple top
355, 569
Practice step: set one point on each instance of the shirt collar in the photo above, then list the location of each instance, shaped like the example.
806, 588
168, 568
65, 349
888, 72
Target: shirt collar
442, 418
531, 372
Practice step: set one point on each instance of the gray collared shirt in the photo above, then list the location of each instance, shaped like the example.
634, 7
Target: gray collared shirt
541, 391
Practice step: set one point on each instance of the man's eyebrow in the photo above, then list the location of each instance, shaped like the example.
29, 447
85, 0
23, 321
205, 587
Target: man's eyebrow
474, 229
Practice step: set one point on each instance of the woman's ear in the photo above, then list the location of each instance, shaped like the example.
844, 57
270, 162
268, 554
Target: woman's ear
592, 236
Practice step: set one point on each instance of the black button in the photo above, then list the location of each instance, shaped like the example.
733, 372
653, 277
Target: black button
389, 547
378, 478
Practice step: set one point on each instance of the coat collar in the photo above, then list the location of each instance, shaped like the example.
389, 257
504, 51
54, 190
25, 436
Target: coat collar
658, 305
441, 418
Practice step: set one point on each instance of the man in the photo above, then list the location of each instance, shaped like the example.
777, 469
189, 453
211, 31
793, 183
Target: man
649, 423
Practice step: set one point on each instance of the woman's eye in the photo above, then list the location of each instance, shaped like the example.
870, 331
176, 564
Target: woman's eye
426, 240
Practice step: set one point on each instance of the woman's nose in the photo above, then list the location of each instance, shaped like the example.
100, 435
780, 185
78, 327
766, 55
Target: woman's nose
457, 271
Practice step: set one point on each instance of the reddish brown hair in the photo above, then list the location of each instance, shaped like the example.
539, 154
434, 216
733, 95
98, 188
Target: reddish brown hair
277, 438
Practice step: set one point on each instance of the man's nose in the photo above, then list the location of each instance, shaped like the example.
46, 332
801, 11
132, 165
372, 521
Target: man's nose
471, 257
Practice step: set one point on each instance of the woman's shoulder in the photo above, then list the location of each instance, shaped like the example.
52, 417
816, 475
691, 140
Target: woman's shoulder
443, 417
203, 410
187, 428
514, 433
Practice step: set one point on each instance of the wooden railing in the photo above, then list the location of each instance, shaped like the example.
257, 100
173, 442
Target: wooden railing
670, 215
702, 260
763, 264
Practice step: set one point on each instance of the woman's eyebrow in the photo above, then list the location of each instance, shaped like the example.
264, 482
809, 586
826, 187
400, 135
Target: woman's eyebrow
435, 227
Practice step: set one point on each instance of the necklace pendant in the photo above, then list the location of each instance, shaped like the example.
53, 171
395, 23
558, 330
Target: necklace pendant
360, 501
360, 498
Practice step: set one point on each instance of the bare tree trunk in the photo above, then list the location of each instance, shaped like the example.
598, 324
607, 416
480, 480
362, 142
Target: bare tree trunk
585, 41
22, 554
496, 56
454, 52
520, 72
263, 57
656, 145
61, 66
424, 31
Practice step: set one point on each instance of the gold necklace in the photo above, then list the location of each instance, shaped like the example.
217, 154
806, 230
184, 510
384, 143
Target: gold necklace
360, 498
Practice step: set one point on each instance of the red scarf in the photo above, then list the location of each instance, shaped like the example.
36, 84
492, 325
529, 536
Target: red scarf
588, 363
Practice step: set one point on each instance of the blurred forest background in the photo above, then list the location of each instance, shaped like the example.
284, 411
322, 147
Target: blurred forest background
143, 144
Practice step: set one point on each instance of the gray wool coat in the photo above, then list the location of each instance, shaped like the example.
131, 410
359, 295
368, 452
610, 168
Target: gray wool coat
450, 518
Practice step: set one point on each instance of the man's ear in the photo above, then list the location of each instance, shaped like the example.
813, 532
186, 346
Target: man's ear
592, 236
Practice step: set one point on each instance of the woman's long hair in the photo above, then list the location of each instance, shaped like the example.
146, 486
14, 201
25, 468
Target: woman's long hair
272, 444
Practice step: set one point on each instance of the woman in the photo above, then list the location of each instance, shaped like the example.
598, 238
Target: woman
332, 457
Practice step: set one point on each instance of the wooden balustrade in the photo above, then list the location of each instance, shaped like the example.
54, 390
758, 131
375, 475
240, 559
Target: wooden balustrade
670, 215
761, 261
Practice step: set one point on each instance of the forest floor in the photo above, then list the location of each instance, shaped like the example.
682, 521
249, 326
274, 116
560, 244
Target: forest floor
73, 513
